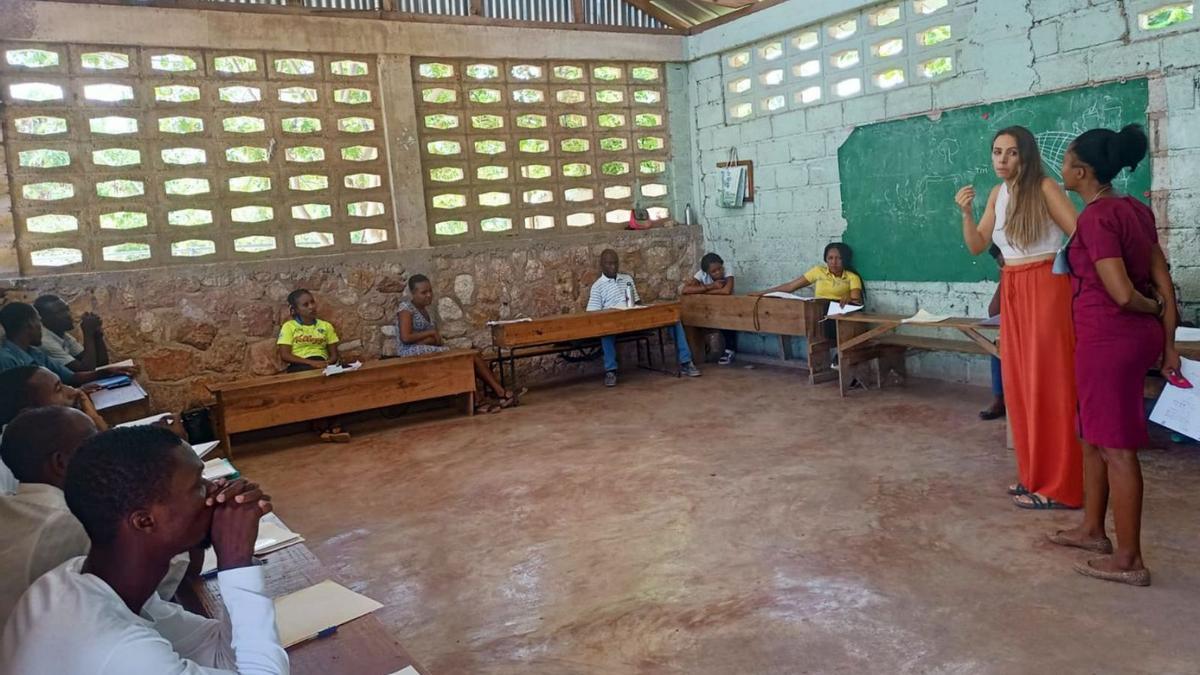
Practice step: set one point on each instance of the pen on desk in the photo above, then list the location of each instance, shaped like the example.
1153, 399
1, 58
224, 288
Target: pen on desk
332, 630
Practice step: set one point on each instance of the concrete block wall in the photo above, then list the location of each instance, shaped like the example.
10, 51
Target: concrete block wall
1011, 49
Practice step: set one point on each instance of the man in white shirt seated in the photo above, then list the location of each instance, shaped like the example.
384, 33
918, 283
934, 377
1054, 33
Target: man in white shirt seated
61, 346
37, 530
142, 499
614, 289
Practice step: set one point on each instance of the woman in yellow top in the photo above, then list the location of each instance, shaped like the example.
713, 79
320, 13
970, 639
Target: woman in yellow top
308, 343
832, 281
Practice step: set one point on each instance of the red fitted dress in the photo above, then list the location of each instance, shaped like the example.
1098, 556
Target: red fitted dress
1113, 347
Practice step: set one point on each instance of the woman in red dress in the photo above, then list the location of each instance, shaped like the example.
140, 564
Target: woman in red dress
1124, 313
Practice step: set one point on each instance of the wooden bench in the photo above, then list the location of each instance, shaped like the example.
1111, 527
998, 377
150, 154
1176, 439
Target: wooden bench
362, 646
299, 397
752, 314
870, 339
567, 332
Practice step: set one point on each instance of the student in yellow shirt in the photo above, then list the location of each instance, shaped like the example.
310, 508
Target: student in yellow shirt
308, 343
835, 280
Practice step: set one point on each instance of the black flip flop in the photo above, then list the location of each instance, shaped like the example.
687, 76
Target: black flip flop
1017, 489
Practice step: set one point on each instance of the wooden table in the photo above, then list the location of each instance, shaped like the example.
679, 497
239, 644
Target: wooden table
753, 314
1189, 350
360, 647
298, 397
565, 332
865, 338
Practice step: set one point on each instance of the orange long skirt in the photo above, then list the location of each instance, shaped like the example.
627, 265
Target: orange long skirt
1037, 347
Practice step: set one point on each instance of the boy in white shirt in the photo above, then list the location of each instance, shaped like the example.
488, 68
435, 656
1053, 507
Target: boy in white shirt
614, 289
713, 278
37, 530
61, 346
140, 495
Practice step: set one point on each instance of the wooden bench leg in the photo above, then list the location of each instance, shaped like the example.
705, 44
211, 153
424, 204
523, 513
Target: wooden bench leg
470, 404
820, 367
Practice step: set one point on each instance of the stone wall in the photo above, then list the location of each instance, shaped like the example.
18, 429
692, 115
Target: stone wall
1011, 49
192, 326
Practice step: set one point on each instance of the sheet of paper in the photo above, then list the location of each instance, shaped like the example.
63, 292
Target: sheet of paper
336, 369
127, 363
991, 321
407, 671
218, 468
302, 615
1179, 409
505, 322
145, 420
837, 308
111, 398
273, 535
1184, 334
203, 449
785, 295
923, 316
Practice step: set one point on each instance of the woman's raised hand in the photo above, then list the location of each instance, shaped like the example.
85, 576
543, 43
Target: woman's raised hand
964, 198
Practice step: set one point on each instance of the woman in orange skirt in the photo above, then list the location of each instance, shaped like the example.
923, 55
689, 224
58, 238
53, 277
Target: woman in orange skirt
1027, 216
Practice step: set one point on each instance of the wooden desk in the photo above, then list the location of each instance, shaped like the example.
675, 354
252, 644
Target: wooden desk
298, 397
752, 314
556, 334
865, 338
1189, 350
361, 647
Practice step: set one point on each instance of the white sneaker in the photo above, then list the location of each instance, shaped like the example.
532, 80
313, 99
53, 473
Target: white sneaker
726, 358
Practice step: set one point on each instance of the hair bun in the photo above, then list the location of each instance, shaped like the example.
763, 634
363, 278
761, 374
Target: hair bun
1131, 145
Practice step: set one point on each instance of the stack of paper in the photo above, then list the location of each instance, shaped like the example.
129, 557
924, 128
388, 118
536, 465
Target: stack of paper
127, 363
336, 369
925, 317
1184, 334
1179, 409
110, 398
836, 308
312, 612
203, 449
273, 535
785, 295
219, 468
145, 420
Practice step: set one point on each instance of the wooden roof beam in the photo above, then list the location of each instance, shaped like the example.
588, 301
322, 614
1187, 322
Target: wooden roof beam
665, 17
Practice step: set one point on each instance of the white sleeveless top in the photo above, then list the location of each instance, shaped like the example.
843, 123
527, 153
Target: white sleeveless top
1048, 244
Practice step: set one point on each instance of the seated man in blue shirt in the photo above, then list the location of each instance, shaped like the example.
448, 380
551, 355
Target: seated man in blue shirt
22, 338
610, 291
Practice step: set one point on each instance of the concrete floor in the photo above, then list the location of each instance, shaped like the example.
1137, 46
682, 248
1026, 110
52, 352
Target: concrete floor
744, 522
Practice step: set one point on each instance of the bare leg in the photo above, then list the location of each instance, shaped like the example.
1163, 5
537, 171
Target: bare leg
484, 373
1095, 497
1125, 482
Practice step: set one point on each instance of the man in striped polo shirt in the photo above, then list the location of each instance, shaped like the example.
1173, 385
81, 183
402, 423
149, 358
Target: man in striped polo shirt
614, 289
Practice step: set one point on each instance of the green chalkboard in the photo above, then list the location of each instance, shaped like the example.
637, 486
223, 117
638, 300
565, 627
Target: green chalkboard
899, 178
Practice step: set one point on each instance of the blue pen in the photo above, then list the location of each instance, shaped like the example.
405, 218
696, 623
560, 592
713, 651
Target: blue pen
327, 632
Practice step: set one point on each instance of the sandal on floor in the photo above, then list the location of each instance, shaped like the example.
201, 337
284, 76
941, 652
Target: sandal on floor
1017, 489
1039, 503
1102, 545
487, 408
1132, 577
335, 436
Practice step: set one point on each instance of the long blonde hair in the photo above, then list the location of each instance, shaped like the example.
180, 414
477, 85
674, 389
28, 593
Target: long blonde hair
1028, 216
